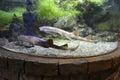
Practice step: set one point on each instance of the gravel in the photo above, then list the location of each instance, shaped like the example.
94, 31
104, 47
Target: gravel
85, 49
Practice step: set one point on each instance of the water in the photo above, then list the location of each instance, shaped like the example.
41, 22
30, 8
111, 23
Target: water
66, 22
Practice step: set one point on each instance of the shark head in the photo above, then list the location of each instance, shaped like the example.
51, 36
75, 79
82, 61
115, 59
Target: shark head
43, 28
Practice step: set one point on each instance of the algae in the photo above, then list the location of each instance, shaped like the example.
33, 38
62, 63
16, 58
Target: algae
47, 9
6, 17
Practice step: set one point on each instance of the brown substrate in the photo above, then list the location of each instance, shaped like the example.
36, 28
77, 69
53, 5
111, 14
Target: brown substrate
16, 66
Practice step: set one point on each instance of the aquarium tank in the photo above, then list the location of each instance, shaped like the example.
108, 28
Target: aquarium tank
60, 28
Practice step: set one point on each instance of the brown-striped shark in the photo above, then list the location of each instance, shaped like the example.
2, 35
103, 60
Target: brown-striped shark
63, 33
44, 43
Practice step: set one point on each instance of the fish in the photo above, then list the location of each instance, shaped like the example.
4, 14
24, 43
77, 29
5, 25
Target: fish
63, 33
44, 43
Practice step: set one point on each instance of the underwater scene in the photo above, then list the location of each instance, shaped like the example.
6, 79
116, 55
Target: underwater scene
60, 28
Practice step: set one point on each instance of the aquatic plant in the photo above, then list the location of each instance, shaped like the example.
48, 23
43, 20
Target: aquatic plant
68, 4
112, 24
6, 17
103, 26
48, 9
98, 2
94, 14
18, 11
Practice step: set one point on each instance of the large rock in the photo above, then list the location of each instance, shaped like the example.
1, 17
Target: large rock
84, 30
16, 29
66, 22
3, 41
106, 36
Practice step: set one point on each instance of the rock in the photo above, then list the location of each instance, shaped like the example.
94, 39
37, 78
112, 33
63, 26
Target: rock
84, 30
16, 29
4, 33
106, 36
3, 41
28, 18
66, 21
25, 44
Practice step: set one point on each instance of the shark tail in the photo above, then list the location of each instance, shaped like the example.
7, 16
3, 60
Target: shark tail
50, 44
63, 47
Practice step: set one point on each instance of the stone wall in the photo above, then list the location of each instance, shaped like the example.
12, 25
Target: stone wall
21, 70
19, 66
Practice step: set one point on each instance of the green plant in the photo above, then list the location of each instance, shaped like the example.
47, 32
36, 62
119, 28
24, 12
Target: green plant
18, 11
6, 17
98, 2
48, 9
69, 4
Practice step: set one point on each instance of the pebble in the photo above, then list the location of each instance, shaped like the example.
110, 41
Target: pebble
85, 49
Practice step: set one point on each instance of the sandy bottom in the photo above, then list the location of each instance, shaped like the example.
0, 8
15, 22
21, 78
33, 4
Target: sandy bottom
84, 49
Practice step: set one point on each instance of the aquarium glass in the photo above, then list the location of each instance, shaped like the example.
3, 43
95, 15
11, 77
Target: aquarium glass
60, 28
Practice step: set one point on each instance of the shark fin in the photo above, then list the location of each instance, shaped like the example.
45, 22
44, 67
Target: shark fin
89, 37
76, 33
49, 43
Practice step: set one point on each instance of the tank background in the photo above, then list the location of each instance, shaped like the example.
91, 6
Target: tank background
102, 24
9, 4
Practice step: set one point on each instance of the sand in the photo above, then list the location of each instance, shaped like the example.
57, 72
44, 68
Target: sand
85, 49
